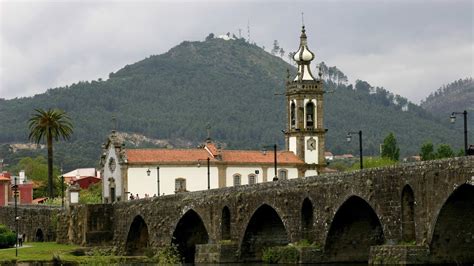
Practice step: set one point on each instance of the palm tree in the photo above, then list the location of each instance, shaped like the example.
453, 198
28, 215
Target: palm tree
50, 124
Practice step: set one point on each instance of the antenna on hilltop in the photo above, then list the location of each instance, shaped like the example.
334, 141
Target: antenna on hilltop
248, 29
114, 123
240, 33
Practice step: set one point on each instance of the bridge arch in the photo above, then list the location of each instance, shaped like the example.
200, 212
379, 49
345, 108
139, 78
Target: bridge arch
307, 220
453, 233
39, 235
264, 229
138, 237
408, 214
225, 223
189, 232
354, 228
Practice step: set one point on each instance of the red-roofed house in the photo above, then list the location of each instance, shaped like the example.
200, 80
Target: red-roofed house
84, 177
25, 189
4, 188
135, 171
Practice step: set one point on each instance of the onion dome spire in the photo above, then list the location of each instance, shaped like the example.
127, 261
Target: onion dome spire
303, 58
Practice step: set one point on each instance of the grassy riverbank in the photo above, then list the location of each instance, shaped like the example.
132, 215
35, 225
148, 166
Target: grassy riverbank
67, 254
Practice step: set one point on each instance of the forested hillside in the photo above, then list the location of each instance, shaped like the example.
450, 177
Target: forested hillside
456, 96
232, 85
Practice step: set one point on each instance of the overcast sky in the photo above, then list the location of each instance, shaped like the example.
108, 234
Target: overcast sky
409, 47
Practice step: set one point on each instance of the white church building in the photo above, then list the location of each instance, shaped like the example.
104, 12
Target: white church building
155, 172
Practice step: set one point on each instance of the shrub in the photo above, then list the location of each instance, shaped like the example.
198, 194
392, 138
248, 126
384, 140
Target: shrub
7, 237
285, 254
168, 255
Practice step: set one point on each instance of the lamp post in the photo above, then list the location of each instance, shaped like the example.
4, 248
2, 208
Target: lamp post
453, 120
15, 195
349, 138
208, 171
275, 178
148, 172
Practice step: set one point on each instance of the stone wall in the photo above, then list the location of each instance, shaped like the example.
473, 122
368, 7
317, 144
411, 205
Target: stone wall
404, 255
86, 225
35, 221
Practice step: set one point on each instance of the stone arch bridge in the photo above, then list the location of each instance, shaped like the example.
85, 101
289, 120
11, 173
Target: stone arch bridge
410, 213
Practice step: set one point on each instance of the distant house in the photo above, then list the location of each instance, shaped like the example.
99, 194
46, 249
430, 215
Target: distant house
4, 188
343, 156
84, 177
25, 189
328, 156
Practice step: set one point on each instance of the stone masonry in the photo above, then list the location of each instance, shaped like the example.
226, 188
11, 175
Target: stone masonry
345, 214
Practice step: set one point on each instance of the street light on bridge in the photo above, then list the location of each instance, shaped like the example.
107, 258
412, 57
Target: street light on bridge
148, 172
453, 120
349, 138
275, 178
208, 170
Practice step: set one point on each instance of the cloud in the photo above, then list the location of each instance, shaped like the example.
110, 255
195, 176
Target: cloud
409, 47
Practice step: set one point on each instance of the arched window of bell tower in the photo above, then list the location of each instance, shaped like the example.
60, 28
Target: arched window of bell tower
293, 114
310, 114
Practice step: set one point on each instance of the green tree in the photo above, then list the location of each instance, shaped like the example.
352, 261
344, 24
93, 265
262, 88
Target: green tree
49, 125
444, 151
276, 48
427, 151
390, 148
36, 169
282, 52
92, 195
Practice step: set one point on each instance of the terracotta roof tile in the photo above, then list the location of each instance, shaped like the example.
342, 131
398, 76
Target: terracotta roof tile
135, 156
212, 149
237, 156
145, 156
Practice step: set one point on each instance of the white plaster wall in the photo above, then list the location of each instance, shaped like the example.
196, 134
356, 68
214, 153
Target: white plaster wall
116, 175
196, 179
292, 144
310, 156
245, 171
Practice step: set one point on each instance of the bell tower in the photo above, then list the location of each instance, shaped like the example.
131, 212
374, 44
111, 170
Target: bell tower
305, 134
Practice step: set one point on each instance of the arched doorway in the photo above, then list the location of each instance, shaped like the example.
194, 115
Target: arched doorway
189, 232
225, 225
307, 220
137, 239
354, 228
265, 229
39, 236
408, 215
453, 233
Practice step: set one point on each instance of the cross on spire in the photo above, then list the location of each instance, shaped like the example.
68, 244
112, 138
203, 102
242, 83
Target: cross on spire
302, 19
